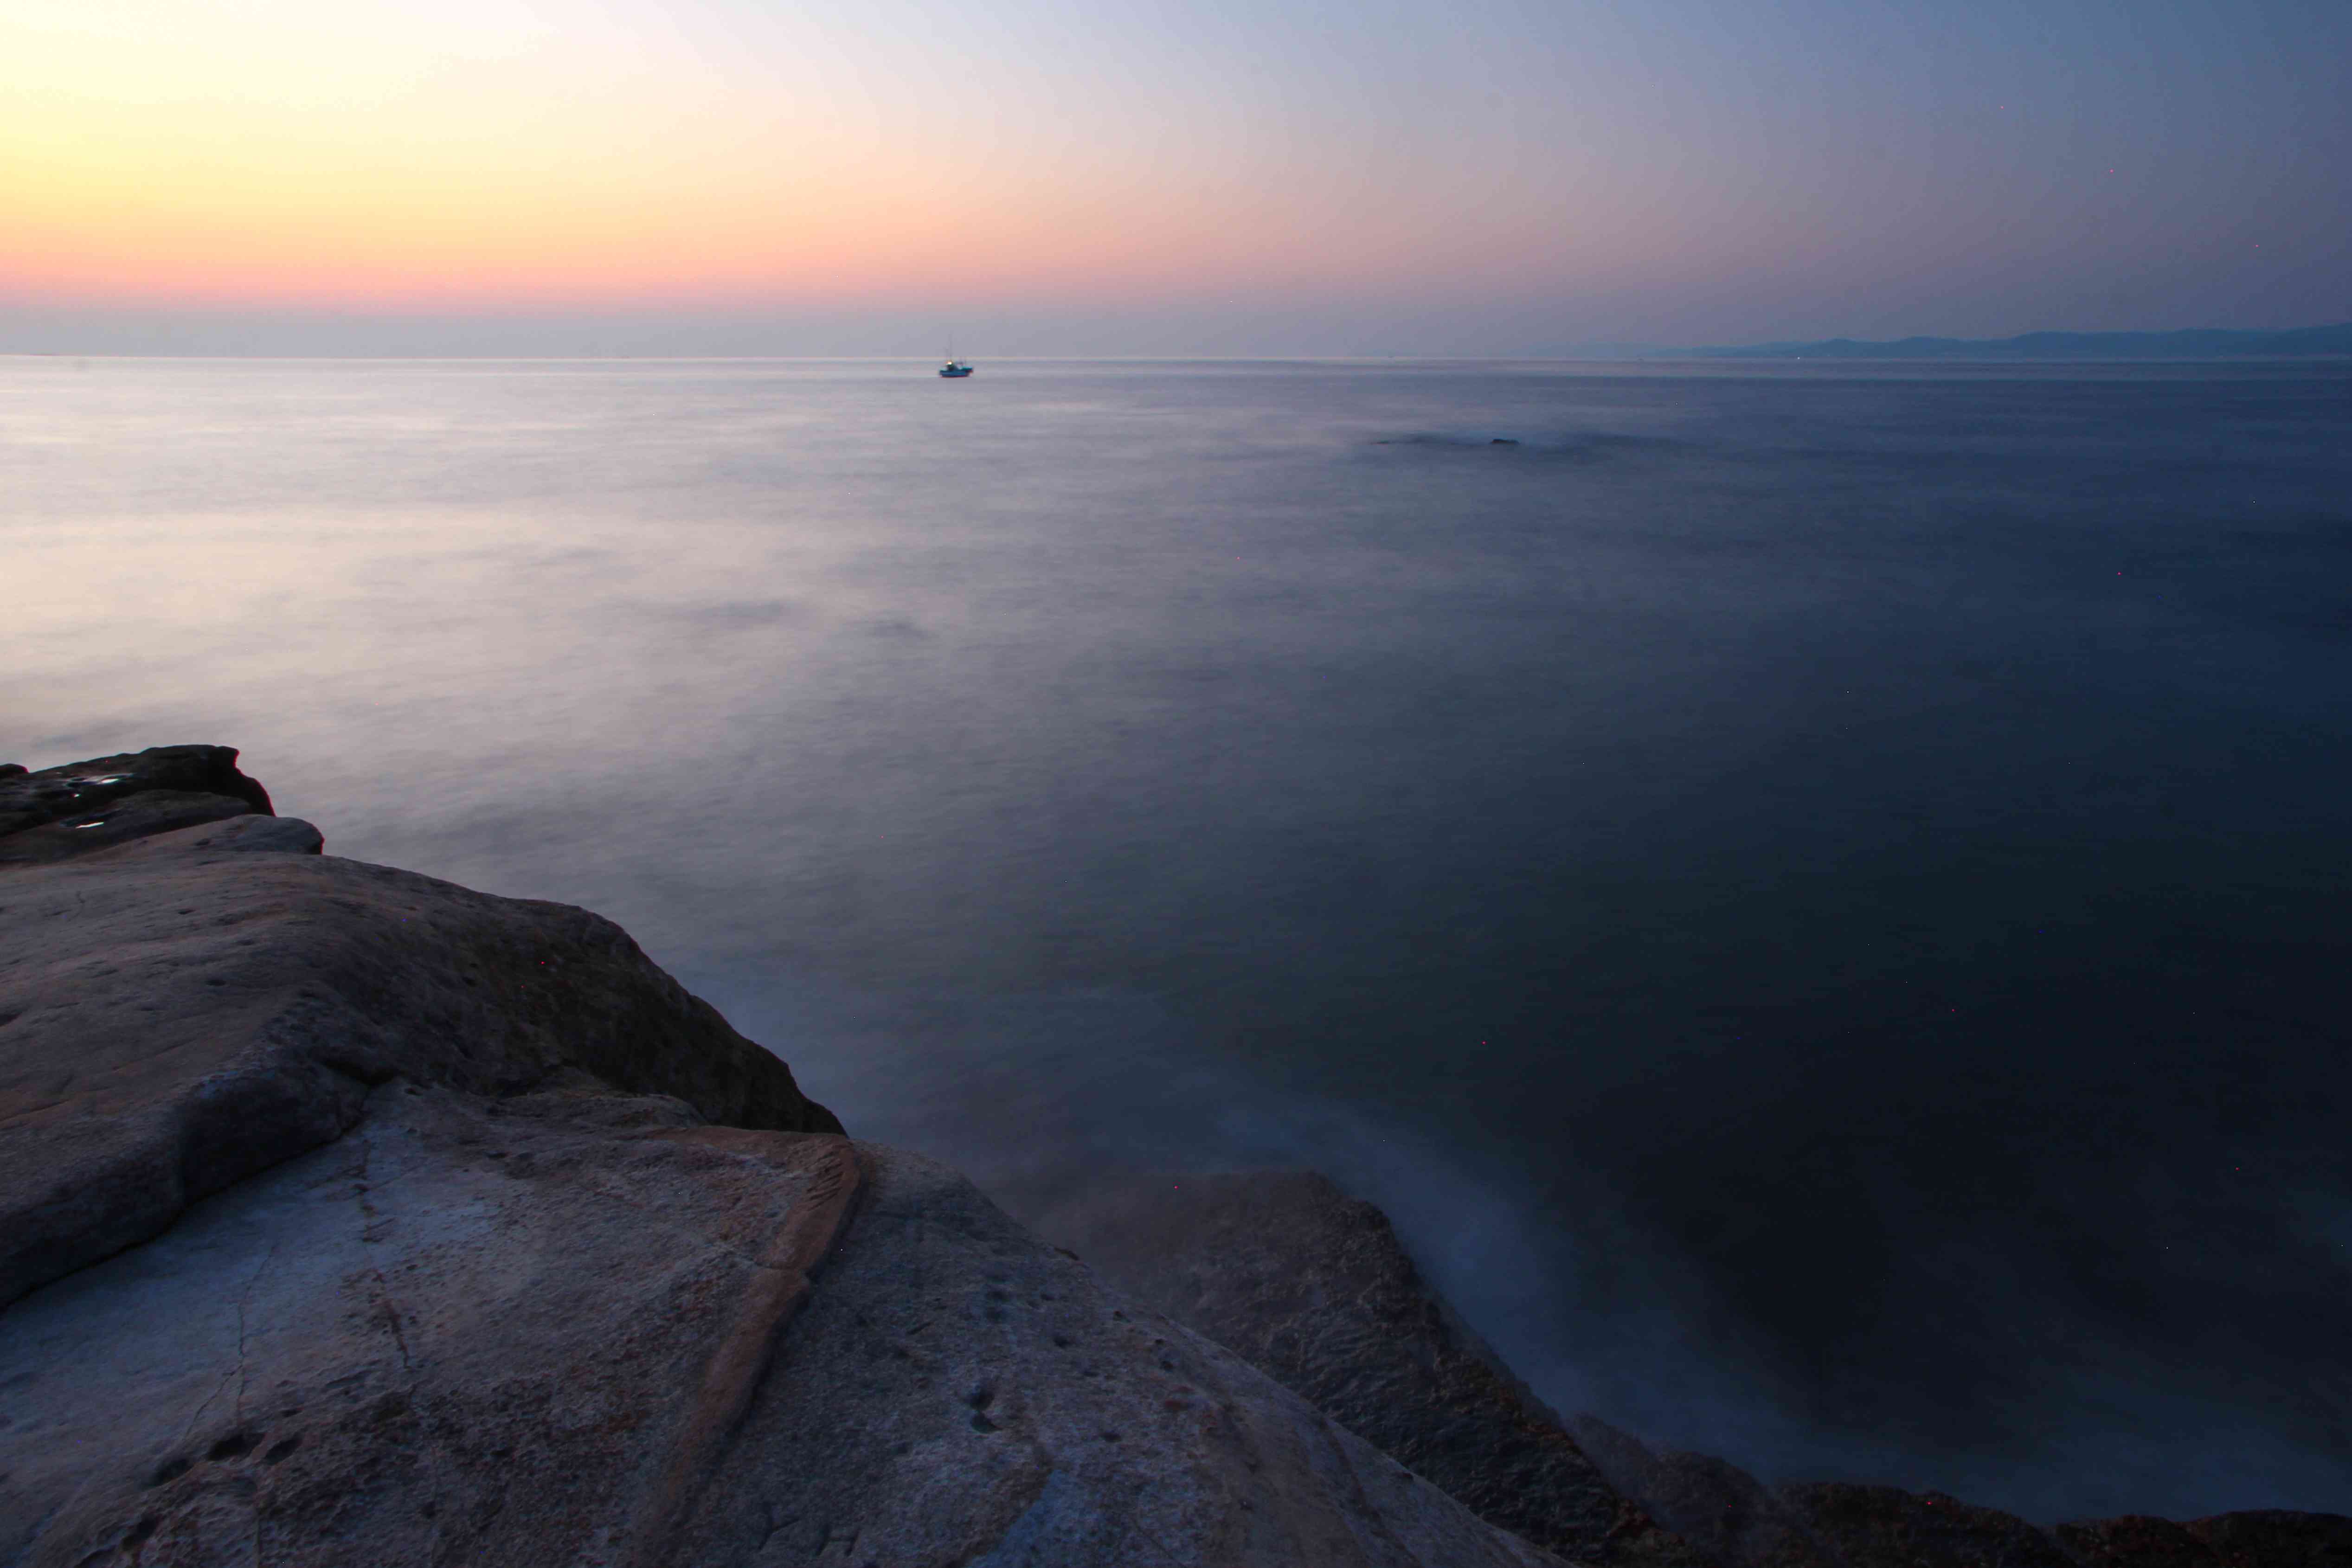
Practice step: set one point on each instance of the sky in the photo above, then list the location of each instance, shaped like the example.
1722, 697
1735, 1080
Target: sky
1148, 177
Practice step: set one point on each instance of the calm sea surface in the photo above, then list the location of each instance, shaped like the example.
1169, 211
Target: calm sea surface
1816, 894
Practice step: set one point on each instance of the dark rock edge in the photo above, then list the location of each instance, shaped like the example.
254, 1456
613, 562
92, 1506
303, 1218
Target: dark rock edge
1455, 1414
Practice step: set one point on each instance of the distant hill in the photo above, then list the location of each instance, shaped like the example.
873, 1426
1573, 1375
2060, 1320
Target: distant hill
2300, 343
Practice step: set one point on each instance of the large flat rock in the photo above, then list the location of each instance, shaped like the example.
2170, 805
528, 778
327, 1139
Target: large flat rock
471, 1331
570, 1328
177, 1016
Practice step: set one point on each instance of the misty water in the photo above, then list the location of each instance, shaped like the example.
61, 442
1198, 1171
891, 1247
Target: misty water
1816, 896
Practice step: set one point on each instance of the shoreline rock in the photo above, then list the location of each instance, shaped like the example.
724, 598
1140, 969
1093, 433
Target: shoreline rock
185, 1012
62, 812
348, 1217
1313, 1286
1291, 1274
351, 1217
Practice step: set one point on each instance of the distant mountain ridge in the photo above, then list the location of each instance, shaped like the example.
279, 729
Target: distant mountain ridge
2298, 342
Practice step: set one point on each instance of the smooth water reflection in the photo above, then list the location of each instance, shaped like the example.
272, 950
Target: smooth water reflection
1817, 898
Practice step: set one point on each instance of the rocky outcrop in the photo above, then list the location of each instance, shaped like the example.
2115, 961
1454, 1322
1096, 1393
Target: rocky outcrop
2260, 1538
1882, 1524
958, 1393
1313, 1287
1293, 1276
554, 1331
1743, 1523
1735, 1519
62, 812
181, 1016
351, 1217
471, 1331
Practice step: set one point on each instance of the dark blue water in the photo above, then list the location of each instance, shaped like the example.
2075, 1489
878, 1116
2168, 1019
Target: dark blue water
1816, 894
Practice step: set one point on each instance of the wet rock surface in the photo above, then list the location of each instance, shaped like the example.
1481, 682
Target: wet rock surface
262, 835
91, 803
1289, 1272
1314, 1287
120, 820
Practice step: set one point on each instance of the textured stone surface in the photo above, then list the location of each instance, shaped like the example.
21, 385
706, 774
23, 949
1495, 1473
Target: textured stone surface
350, 1217
479, 1281
1310, 1285
173, 1021
266, 834
70, 786
2277, 1537
119, 821
470, 1331
1720, 1508
572, 1328
957, 1392
2137, 1541
79, 790
77, 808
1742, 1524
1873, 1525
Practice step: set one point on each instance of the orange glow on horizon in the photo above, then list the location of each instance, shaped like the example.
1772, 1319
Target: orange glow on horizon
330, 225
566, 179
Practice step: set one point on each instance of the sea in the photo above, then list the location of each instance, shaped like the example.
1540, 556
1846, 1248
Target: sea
1815, 895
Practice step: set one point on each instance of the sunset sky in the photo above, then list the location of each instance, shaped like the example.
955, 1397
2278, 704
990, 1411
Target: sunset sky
1144, 176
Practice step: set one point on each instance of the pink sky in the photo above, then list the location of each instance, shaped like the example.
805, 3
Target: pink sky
1292, 179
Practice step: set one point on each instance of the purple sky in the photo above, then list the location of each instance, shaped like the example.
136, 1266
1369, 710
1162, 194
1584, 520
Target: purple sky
1288, 177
